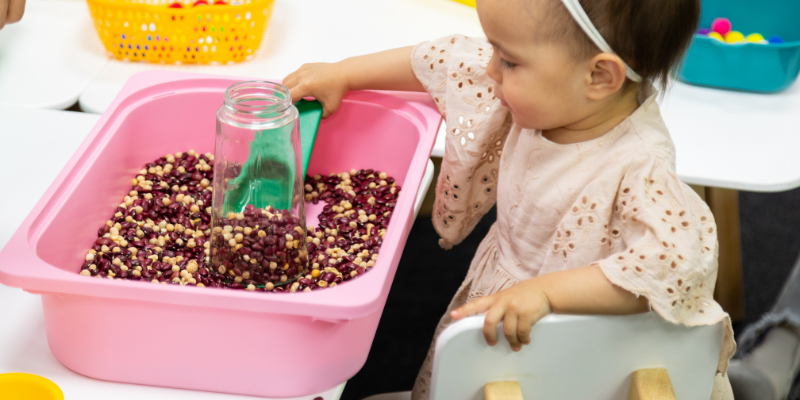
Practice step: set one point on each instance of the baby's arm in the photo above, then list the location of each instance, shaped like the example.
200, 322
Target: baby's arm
577, 291
329, 82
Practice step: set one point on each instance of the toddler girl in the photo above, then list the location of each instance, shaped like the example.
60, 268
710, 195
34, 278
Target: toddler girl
554, 119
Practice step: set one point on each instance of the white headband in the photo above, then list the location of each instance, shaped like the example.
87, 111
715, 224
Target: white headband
574, 8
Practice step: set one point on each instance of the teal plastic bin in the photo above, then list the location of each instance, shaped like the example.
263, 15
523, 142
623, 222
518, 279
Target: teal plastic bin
747, 66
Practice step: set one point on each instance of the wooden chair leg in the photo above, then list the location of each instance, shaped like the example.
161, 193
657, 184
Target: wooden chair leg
508, 390
651, 384
427, 205
729, 292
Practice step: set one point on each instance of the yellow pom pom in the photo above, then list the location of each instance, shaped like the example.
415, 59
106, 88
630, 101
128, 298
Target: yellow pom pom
755, 38
734, 37
716, 35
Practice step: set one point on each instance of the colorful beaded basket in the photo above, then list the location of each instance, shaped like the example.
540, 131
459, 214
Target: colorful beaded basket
181, 31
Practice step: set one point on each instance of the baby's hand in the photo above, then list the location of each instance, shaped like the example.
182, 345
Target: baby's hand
329, 83
519, 307
11, 11
325, 82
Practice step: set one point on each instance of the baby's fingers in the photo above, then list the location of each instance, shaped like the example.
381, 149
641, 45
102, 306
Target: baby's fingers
298, 75
524, 326
290, 81
330, 105
472, 308
15, 10
510, 330
3, 12
493, 318
298, 91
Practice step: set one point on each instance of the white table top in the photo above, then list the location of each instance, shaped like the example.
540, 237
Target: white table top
48, 58
43, 141
303, 31
726, 139
735, 140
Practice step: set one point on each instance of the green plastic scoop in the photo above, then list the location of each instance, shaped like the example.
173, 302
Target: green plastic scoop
267, 177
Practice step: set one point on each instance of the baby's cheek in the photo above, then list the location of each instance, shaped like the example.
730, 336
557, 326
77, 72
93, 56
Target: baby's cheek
525, 121
528, 114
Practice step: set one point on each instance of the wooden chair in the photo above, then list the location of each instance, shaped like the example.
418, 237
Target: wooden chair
636, 357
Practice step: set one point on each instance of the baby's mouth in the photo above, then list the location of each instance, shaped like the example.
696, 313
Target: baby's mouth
502, 100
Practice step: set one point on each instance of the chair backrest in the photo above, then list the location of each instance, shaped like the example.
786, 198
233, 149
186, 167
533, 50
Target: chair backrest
577, 357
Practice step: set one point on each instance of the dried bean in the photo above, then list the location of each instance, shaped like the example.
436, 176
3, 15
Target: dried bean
162, 233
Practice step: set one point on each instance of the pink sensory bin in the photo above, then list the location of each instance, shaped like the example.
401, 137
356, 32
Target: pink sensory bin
261, 344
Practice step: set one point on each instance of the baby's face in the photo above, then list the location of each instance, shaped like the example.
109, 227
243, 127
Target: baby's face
538, 80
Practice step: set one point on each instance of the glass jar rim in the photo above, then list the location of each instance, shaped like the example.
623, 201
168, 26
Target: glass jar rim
278, 96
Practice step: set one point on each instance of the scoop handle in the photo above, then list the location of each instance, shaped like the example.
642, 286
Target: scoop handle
310, 115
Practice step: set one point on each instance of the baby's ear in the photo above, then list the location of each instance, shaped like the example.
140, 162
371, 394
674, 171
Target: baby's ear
607, 75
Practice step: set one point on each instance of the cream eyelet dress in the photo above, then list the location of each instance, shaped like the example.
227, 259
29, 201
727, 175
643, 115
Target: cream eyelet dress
614, 201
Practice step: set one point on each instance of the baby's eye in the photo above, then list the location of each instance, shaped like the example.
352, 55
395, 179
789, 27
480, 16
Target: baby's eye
506, 65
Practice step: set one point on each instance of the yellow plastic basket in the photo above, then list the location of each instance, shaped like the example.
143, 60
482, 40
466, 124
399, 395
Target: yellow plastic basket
470, 3
222, 31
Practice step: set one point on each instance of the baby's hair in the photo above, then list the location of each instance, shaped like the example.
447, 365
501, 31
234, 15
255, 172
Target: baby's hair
651, 36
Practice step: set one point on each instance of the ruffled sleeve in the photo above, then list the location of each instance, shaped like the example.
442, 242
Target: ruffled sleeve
453, 70
670, 247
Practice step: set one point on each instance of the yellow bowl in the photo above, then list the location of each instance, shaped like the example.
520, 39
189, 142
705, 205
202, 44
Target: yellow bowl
18, 386
150, 30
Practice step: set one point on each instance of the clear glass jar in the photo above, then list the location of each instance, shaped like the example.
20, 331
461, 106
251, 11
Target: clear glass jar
258, 209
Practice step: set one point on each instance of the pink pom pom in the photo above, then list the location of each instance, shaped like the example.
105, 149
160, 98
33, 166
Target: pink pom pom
721, 26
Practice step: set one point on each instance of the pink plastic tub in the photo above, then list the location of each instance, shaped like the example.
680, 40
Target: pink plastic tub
263, 344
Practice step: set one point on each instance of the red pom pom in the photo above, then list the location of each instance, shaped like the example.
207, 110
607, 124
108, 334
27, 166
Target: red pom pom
721, 26
220, 3
200, 3
175, 5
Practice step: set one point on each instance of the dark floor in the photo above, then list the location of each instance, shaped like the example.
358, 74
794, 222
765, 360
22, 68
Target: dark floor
428, 277
770, 246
